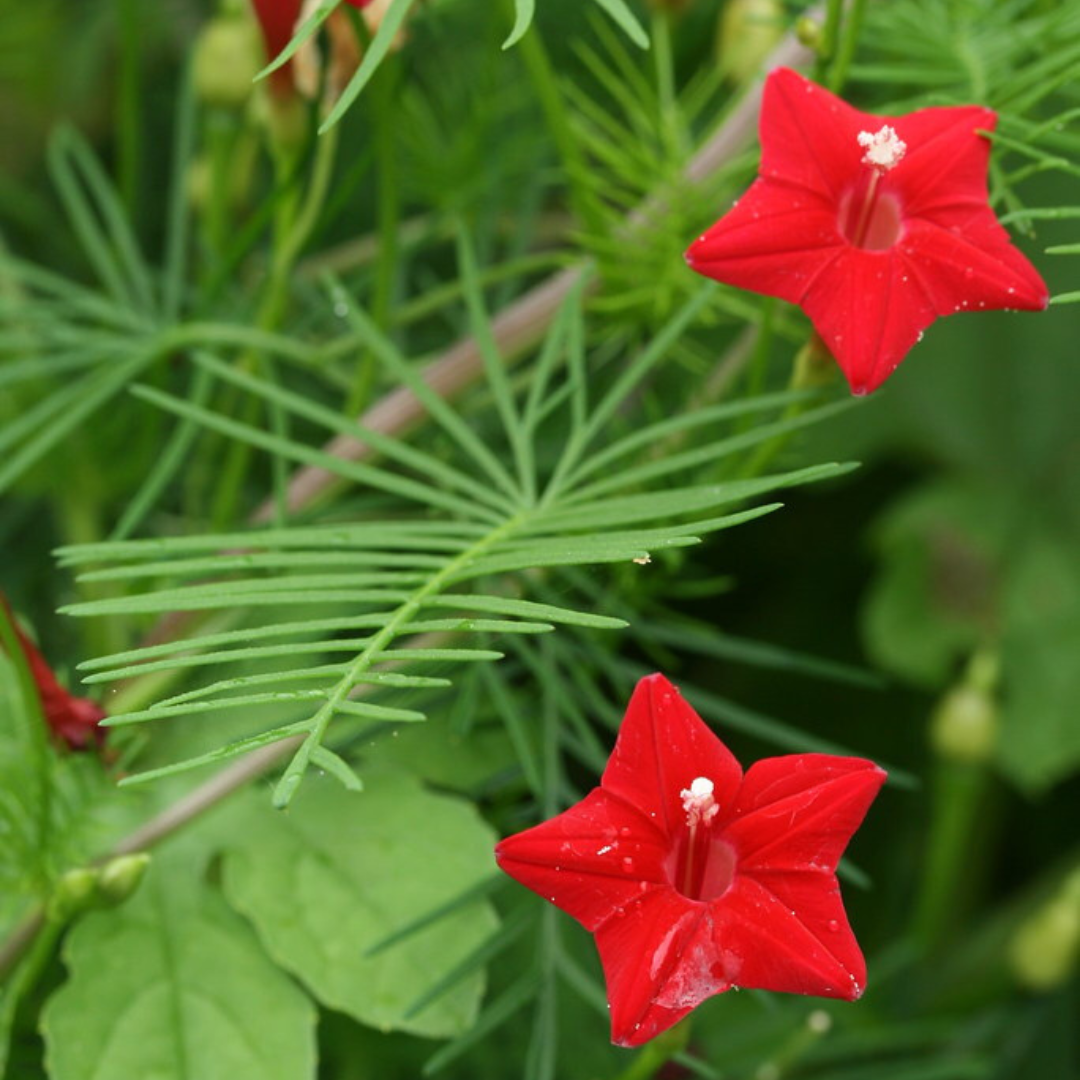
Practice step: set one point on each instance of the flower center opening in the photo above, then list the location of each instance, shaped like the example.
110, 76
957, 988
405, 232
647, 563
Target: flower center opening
869, 217
702, 865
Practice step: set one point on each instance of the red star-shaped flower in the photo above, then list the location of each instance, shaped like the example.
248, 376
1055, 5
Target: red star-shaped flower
873, 225
73, 720
695, 878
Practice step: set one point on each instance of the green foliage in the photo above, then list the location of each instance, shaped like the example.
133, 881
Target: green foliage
340, 873
173, 985
413, 606
451, 526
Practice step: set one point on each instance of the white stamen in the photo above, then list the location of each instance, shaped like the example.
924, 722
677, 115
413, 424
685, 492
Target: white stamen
698, 801
884, 149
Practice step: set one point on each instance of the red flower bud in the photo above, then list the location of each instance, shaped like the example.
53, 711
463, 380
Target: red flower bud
73, 720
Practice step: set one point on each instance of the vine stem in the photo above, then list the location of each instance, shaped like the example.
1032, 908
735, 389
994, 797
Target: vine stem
515, 329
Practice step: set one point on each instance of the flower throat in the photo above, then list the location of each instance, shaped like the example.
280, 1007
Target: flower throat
703, 865
869, 217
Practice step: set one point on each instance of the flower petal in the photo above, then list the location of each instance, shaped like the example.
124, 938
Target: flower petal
809, 136
659, 962
798, 944
946, 160
663, 746
869, 310
591, 861
776, 240
970, 264
799, 811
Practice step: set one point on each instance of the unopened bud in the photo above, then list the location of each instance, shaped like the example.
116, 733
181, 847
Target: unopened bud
75, 892
1044, 952
747, 32
120, 877
808, 32
965, 725
227, 58
813, 366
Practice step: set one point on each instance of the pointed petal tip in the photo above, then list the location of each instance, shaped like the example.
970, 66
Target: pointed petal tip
657, 681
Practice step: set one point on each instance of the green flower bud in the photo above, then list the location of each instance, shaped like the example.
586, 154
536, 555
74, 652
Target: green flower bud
75, 893
228, 56
964, 726
809, 32
1044, 951
747, 32
120, 877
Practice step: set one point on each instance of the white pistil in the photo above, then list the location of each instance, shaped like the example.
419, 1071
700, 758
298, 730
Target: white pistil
884, 149
698, 802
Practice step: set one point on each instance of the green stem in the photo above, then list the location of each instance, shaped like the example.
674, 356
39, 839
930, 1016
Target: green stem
545, 83
959, 800
653, 1057
388, 220
848, 43
813, 366
294, 221
127, 104
830, 33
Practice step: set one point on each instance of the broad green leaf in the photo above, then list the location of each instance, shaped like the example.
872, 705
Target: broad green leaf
438, 754
935, 598
173, 986
339, 872
1040, 736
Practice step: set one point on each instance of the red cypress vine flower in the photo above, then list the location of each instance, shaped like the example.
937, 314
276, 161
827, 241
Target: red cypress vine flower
73, 720
695, 878
873, 225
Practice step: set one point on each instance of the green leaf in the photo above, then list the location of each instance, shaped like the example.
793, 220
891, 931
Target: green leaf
173, 986
339, 873
523, 17
307, 28
1040, 738
373, 57
626, 20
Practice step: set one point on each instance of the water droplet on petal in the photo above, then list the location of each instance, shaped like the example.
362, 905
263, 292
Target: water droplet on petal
627, 864
834, 925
